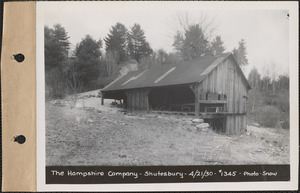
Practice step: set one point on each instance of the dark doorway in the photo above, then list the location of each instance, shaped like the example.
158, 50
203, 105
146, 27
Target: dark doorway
172, 98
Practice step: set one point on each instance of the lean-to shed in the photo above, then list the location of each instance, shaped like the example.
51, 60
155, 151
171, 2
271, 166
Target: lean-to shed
213, 88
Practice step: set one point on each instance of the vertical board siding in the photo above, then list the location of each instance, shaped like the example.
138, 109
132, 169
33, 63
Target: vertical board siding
137, 99
226, 79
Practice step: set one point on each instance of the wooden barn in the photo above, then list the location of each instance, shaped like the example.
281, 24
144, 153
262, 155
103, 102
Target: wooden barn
213, 88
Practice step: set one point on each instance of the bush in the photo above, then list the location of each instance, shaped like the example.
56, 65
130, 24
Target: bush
285, 124
269, 116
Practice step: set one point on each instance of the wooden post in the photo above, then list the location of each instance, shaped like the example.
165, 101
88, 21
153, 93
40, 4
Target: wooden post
147, 92
197, 105
102, 98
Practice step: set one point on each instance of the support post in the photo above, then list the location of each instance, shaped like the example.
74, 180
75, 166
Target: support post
102, 98
197, 104
147, 99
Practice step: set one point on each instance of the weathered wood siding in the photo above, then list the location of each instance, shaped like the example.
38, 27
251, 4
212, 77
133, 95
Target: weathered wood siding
226, 79
137, 99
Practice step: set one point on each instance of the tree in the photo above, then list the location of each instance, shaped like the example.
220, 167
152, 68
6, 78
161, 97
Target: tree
87, 54
138, 47
72, 74
195, 44
116, 42
266, 83
283, 82
240, 54
178, 42
111, 65
162, 56
217, 47
56, 54
254, 78
56, 46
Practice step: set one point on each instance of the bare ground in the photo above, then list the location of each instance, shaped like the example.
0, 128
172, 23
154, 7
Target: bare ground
91, 134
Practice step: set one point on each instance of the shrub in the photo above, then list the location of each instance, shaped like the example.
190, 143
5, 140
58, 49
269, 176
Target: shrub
269, 116
285, 124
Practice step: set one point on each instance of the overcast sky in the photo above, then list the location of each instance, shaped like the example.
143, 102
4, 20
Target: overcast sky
266, 31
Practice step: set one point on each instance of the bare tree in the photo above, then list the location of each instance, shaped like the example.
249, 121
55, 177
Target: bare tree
182, 21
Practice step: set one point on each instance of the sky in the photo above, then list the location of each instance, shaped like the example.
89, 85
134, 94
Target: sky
264, 28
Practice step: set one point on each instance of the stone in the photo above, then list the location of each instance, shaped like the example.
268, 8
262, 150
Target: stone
202, 125
198, 121
256, 124
205, 129
90, 120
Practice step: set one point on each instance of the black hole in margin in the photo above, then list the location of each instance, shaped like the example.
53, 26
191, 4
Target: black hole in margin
20, 139
19, 57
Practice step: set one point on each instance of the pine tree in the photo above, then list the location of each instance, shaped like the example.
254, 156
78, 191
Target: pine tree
116, 42
178, 42
138, 47
254, 78
240, 54
56, 46
217, 46
87, 54
56, 55
194, 44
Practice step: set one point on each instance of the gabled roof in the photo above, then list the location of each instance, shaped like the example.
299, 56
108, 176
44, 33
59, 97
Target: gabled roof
168, 74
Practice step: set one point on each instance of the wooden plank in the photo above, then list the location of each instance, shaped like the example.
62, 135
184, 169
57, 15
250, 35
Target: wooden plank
212, 81
212, 101
236, 124
237, 94
141, 100
102, 98
197, 105
147, 102
217, 83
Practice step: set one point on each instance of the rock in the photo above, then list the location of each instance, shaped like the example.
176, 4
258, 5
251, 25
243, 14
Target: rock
202, 125
256, 124
198, 121
90, 120
205, 129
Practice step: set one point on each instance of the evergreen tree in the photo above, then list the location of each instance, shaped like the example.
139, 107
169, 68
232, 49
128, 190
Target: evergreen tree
116, 42
138, 47
56, 55
87, 54
217, 46
254, 78
178, 42
240, 54
194, 44
56, 46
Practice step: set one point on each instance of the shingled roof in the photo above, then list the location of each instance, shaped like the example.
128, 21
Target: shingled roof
168, 74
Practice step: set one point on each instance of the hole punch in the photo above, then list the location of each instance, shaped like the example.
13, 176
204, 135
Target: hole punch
19, 57
20, 139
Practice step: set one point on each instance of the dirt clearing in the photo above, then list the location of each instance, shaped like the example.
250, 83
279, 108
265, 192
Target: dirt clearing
91, 134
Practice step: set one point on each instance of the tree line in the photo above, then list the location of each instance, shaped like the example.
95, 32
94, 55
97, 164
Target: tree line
268, 102
87, 67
